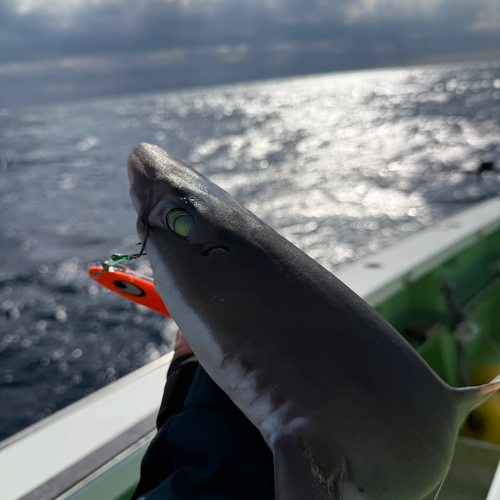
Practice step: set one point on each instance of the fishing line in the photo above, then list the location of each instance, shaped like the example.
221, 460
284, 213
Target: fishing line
117, 258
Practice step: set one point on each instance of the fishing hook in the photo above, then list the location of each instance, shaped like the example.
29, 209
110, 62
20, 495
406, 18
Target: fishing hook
117, 258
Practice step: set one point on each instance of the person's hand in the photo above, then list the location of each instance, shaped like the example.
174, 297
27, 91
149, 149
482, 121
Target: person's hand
181, 346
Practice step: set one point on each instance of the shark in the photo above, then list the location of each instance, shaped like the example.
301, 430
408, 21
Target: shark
347, 406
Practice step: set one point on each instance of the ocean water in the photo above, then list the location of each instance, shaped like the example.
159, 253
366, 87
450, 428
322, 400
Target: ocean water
341, 165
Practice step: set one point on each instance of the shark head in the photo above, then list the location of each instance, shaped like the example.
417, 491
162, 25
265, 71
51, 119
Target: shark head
199, 241
161, 185
348, 408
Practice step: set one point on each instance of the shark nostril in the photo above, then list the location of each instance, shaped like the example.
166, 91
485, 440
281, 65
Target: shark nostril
208, 247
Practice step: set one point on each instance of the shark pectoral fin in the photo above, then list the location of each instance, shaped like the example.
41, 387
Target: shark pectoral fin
295, 475
493, 386
468, 398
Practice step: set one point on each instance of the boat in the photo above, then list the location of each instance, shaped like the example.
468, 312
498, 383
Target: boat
435, 286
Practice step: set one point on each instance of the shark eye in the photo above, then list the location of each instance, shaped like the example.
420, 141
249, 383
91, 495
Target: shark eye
179, 221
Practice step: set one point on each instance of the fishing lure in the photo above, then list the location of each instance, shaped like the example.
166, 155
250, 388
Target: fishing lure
134, 286
129, 284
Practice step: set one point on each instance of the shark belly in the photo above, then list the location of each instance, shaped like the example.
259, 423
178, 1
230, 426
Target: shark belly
259, 402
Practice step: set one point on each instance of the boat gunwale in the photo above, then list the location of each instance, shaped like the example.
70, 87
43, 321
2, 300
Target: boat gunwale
376, 277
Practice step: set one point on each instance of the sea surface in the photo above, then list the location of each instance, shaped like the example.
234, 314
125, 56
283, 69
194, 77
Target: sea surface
340, 164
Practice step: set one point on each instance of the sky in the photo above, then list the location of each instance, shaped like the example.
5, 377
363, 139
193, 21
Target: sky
73, 49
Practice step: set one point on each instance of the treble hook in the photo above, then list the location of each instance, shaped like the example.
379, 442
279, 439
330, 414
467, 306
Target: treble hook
116, 258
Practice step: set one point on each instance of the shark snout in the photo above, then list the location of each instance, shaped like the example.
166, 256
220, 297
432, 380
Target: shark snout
143, 165
148, 170
137, 169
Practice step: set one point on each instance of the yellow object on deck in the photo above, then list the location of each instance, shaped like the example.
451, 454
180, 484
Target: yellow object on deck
485, 424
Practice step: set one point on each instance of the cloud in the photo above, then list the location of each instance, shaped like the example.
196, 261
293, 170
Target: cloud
34, 29
488, 19
205, 41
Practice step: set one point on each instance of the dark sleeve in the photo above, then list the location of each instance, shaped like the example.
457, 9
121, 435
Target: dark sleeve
208, 450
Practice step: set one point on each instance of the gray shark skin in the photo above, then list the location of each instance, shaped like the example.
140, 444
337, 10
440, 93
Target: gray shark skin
348, 408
